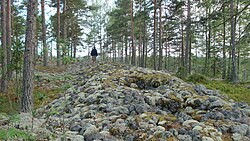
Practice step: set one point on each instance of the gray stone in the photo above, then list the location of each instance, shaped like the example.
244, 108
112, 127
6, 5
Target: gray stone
189, 110
237, 137
216, 104
184, 138
184, 116
200, 89
76, 128
89, 114
174, 131
241, 129
121, 110
141, 108
190, 122
207, 139
182, 130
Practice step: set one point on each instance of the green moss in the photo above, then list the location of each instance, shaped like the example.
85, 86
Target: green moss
237, 92
197, 78
44, 96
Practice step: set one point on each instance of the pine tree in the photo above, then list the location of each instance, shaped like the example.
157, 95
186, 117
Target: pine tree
27, 101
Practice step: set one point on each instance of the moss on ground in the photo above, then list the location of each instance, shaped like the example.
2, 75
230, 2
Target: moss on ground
238, 92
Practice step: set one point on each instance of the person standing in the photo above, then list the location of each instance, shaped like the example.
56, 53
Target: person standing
94, 54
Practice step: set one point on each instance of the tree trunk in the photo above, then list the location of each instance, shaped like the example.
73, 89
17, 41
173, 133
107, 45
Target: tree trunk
238, 51
187, 50
64, 29
144, 37
74, 49
8, 38
245, 73
100, 42
224, 64
214, 59
160, 38
58, 35
45, 49
154, 34
132, 34
27, 103
140, 38
51, 50
208, 43
182, 46
146, 49
122, 49
234, 74
4, 82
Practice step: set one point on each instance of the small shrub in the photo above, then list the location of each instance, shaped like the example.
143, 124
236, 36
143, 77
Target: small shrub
14, 134
197, 78
181, 72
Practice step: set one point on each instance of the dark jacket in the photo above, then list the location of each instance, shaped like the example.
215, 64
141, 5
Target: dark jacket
94, 52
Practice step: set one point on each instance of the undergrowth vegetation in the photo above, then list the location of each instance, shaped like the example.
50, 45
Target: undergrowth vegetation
10, 102
15, 134
11, 133
239, 92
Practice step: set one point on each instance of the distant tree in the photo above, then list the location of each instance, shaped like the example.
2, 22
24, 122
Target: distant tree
154, 34
188, 41
45, 48
64, 28
144, 49
27, 101
4, 82
132, 34
160, 36
8, 39
234, 74
58, 34
224, 65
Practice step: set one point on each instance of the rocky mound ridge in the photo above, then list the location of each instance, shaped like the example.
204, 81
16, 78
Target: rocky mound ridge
114, 102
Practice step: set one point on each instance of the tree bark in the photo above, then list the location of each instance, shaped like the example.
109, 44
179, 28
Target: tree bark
132, 34
8, 38
126, 49
58, 35
224, 65
187, 50
182, 46
4, 82
234, 74
144, 37
64, 28
45, 49
154, 34
160, 38
140, 38
27, 103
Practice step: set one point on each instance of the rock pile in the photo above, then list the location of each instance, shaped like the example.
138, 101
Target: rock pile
112, 102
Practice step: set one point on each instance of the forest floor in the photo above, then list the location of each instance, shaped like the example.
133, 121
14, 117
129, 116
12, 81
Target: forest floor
47, 90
